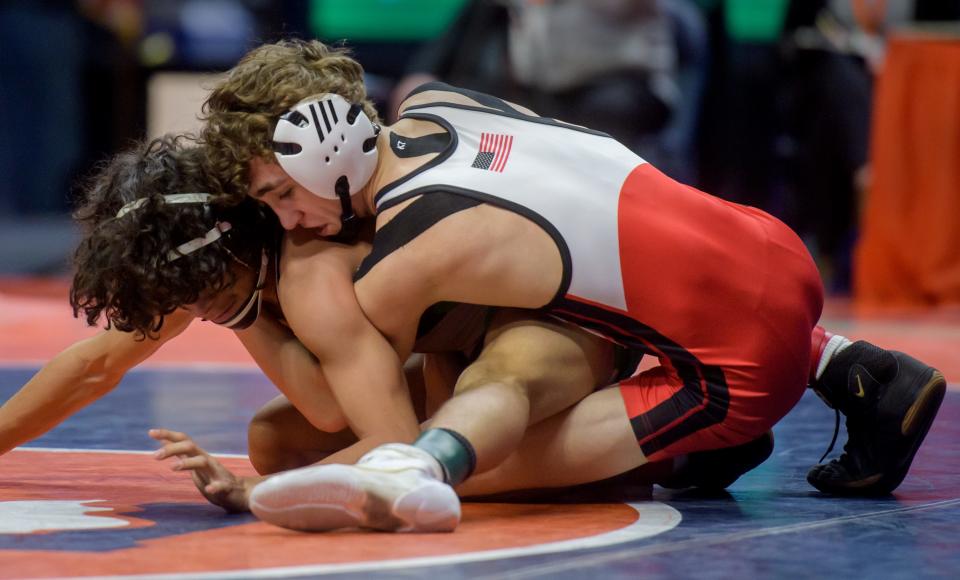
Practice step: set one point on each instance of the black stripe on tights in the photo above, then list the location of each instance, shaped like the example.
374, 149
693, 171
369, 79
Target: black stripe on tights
703, 400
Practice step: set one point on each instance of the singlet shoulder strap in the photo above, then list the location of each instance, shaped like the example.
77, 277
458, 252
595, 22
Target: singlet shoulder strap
412, 221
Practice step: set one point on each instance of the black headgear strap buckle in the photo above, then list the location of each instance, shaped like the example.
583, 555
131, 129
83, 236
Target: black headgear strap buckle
349, 223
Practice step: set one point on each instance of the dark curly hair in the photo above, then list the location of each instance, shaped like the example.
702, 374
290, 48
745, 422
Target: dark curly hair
122, 268
242, 110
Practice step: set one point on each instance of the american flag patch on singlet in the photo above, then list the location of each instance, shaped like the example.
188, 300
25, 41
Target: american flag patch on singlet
494, 152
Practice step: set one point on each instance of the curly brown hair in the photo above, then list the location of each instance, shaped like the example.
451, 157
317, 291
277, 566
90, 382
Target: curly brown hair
243, 109
122, 268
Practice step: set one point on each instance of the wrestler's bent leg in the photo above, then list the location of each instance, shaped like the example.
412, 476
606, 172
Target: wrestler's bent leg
591, 441
527, 371
280, 438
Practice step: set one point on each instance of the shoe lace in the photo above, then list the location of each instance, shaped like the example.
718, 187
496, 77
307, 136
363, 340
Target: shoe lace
833, 441
857, 448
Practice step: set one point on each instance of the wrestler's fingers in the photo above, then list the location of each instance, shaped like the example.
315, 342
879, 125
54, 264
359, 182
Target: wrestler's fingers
181, 449
191, 463
159, 434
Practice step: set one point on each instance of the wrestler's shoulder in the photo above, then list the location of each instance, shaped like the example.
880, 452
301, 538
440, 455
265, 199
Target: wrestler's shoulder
303, 253
437, 92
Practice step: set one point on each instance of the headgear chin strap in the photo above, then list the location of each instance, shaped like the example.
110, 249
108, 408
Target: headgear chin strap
329, 146
250, 312
349, 227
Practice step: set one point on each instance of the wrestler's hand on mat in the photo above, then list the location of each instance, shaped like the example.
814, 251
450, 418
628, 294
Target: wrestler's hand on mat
217, 483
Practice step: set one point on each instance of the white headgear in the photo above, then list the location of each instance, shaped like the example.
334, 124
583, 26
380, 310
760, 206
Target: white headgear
322, 140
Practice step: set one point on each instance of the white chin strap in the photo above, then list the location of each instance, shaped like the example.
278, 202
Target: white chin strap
255, 300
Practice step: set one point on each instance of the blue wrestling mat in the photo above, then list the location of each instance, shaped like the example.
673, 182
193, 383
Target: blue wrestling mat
137, 518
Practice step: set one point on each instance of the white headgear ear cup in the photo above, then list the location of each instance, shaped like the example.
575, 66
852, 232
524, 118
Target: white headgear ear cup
321, 140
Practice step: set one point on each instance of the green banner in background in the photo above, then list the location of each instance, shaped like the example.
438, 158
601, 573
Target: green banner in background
755, 20
381, 19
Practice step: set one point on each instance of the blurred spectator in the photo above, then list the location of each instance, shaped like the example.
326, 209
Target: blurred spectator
205, 35
124, 18
739, 157
41, 47
674, 150
787, 109
833, 49
609, 64
382, 34
73, 91
68, 95
472, 53
934, 10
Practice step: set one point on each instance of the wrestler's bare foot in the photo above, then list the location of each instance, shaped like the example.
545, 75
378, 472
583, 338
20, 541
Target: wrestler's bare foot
395, 487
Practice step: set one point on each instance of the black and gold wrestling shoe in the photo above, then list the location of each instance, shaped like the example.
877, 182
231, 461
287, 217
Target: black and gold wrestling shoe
890, 401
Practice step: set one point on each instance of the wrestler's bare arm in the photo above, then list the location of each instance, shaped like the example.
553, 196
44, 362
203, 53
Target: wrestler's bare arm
221, 487
78, 376
361, 367
295, 371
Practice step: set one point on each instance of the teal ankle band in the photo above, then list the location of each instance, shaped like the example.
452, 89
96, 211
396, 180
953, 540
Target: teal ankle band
452, 450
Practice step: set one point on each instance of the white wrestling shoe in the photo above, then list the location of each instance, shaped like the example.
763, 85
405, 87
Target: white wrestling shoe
397, 488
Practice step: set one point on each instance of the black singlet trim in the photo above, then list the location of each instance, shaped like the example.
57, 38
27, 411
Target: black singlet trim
405, 147
513, 114
479, 196
415, 219
626, 361
468, 341
705, 391
433, 316
451, 147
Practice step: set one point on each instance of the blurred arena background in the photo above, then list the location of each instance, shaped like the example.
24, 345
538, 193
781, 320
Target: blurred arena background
841, 117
